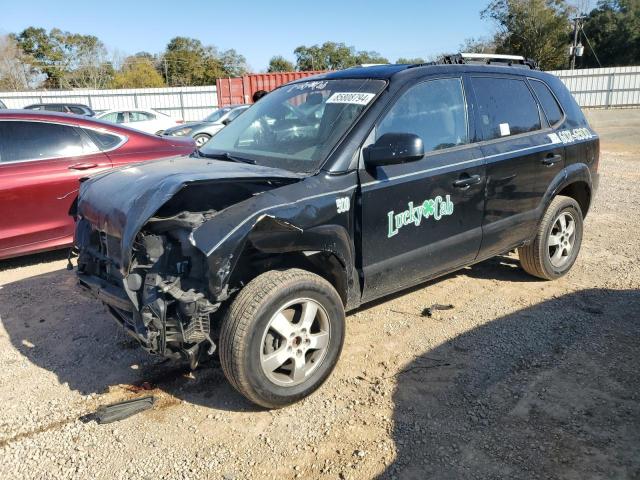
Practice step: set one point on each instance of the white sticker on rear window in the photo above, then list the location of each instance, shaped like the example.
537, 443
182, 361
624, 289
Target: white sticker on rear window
356, 98
504, 129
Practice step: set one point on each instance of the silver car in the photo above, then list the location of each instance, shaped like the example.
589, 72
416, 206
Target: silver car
203, 130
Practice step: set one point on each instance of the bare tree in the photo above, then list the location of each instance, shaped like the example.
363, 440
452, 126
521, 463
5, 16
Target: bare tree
15, 72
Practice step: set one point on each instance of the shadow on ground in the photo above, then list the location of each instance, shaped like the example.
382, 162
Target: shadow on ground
550, 391
58, 327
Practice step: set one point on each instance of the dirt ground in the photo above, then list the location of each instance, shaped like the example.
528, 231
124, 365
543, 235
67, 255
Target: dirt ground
522, 379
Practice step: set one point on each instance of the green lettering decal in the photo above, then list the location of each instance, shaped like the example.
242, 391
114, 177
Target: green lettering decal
437, 208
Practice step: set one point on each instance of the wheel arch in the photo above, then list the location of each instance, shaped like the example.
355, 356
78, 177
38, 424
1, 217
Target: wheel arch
575, 182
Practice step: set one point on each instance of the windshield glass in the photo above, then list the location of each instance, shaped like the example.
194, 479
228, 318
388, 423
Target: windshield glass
216, 115
295, 127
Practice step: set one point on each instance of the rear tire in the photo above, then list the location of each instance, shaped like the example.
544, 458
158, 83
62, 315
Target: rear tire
282, 336
557, 242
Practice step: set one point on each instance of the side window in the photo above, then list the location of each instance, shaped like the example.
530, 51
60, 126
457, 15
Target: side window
76, 110
110, 117
505, 107
35, 140
105, 141
55, 108
434, 110
235, 113
548, 101
140, 117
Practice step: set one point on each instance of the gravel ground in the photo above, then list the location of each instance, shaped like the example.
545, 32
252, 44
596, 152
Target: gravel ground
522, 379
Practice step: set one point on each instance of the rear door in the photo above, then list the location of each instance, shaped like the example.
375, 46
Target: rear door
521, 159
40, 166
418, 219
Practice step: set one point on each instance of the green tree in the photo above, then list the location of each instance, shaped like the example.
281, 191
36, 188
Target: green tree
138, 72
68, 60
613, 31
186, 61
280, 64
333, 56
537, 29
411, 61
478, 45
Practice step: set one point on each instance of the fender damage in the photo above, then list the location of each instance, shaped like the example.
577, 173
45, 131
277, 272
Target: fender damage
139, 251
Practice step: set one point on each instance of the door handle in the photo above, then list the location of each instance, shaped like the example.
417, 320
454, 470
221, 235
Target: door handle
466, 182
552, 159
83, 166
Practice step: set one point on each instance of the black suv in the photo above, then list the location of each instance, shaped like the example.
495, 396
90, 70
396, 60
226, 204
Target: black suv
74, 108
328, 193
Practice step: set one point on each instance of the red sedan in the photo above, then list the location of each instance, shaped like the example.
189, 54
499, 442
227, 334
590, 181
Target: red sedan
42, 157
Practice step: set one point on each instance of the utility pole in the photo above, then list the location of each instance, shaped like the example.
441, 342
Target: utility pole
576, 50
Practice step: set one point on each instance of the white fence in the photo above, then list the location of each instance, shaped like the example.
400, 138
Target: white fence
603, 87
187, 103
594, 87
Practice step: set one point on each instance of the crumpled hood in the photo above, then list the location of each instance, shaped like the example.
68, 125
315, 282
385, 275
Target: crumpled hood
120, 201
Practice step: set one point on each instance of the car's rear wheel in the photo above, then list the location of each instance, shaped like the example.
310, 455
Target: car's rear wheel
282, 336
201, 139
557, 243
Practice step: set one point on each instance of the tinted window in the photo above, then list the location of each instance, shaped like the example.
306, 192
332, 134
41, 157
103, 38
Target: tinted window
55, 108
140, 116
434, 110
105, 141
77, 110
505, 106
548, 102
234, 113
35, 140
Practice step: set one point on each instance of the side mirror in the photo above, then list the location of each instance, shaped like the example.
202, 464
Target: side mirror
394, 148
226, 121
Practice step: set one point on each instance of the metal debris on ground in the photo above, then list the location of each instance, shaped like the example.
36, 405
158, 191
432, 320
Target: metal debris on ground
122, 410
428, 311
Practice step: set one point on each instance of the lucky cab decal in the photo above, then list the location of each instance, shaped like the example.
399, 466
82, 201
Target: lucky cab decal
432, 207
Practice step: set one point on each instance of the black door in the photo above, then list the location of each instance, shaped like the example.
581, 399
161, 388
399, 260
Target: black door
424, 217
521, 160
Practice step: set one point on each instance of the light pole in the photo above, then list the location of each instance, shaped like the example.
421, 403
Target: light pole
576, 50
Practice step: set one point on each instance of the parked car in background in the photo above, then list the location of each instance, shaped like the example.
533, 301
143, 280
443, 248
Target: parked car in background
42, 157
143, 119
202, 131
74, 108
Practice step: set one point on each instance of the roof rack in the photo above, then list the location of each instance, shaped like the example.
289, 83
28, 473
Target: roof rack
485, 59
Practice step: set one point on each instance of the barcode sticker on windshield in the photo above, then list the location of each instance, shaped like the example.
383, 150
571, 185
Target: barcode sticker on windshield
351, 97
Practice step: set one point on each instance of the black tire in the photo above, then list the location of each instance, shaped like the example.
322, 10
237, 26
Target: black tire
535, 258
246, 325
201, 137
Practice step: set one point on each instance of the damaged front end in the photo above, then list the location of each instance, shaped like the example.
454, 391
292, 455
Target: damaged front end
162, 300
136, 254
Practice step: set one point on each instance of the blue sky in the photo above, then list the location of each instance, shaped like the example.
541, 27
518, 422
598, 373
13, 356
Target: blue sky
258, 30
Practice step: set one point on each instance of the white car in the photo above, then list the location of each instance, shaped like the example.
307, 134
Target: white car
144, 119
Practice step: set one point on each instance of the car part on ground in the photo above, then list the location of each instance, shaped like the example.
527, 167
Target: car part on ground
361, 183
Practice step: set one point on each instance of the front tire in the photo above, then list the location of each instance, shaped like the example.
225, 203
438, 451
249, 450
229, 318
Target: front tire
282, 336
201, 139
557, 242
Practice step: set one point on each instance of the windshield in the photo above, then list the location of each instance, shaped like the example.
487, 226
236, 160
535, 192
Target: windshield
216, 115
295, 127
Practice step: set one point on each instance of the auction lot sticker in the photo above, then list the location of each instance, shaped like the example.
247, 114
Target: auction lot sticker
356, 98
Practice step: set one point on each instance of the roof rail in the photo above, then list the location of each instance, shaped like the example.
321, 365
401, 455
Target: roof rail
486, 59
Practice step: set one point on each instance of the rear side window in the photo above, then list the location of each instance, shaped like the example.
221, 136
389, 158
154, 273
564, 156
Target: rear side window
140, 117
105, 141
434, 110
36, 140
505, 107
547, 101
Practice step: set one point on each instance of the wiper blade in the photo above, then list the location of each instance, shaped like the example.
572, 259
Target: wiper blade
227, 156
